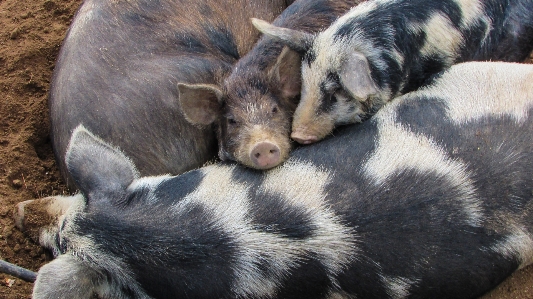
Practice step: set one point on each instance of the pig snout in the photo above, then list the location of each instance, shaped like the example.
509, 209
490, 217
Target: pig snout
303, 137
265, 155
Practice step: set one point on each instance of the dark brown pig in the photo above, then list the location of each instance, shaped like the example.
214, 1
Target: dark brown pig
120, 65
253, 110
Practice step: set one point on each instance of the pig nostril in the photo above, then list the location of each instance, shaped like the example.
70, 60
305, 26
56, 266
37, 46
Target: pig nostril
265, 155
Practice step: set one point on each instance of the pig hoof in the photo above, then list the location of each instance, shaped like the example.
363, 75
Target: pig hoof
18, 214
303, 138
265, 155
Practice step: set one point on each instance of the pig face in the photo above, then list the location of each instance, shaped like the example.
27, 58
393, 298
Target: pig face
252, 116
42, 219
341, 92
45, 220
337, 88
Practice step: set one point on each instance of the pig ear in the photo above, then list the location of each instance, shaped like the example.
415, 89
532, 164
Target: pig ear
298, 41
200, 103
99, 170
287, 72
356, 77
65, 277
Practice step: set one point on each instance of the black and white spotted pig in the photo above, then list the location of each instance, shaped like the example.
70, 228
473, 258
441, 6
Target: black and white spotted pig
435, 201
382, 49
252, 110
120, 65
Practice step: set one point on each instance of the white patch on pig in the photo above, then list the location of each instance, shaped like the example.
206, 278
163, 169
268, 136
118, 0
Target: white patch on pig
442, 38
302, 185
339, 295
500, 89
397, 287
472, 12
149, 183
228, 204
517, 245
399, 149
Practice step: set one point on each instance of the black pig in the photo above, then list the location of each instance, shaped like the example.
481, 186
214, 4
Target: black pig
435, 201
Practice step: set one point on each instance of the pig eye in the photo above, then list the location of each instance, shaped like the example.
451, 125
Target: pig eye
332, 99
332, 82
275, 109
231, 121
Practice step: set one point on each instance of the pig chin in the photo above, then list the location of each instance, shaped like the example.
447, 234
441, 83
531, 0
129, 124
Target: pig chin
263, 149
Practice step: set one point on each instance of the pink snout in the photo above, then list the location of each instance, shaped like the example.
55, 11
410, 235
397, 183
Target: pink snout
302, 138
265, 155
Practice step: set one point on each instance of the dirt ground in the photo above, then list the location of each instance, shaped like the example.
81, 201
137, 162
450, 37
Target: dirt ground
31, 32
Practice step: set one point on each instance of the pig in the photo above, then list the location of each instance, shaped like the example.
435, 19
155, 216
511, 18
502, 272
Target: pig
434, 202
252, 110
382, 49
120, 64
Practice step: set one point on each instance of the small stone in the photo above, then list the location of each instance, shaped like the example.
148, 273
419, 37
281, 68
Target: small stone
7, 232
49, 5
15, 34
17, 183
9, 282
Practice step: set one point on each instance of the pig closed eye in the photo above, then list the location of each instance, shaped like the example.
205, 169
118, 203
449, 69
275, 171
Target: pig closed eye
332, 99
232, 121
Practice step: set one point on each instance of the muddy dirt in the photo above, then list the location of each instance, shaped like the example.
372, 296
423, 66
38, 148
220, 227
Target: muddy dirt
30, 36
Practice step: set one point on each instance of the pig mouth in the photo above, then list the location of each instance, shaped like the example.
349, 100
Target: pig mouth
302, 137
304, 134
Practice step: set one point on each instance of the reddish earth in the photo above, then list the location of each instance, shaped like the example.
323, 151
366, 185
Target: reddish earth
30, 36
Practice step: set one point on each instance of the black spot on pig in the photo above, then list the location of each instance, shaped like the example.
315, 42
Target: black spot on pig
290, 221
212, 257
476, 142
422, 69
431, 196
178, 187
314, 286
251, 177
